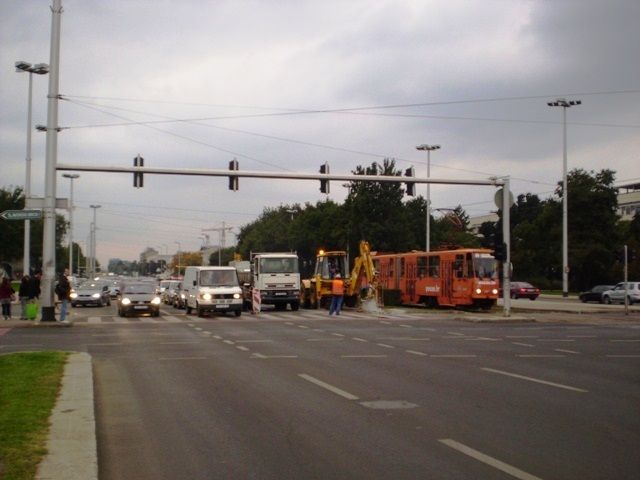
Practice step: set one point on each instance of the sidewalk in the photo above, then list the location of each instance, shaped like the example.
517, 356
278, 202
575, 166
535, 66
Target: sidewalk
72, 446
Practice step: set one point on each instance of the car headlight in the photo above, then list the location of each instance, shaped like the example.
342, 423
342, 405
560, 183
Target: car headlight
236, 295
125, 301
183, 296
95, 295
206, 296
73, 295
156, 300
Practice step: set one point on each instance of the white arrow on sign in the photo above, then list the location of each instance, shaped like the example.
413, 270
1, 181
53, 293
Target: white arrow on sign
21, 214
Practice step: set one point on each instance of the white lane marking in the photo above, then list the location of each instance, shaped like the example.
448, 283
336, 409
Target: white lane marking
541, 355
536, 380
453, 356
94, 320
406, 326
456, 334
566, 351
199, 329
412, 339
521, 336
244, 349
413, 352
384, 345
217, 337
483, 339
385, 322
623, 356
325, 339
582, 336
493, 462
625, 340
360, 339
319, 330
261, 356
180, 343
338, 334
326, 386
363, 356
556, 340
302, 326
228, 342
523, 344
205, 333
289, 323
254, 341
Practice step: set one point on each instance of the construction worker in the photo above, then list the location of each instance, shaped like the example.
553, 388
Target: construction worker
337, 295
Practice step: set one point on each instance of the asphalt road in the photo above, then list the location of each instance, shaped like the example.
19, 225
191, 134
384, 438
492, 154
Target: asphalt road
300, 395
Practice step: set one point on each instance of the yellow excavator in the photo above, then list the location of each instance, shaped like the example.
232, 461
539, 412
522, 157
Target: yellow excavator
360, 283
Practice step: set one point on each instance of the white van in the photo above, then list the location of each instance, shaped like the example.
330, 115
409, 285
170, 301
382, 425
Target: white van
212, 289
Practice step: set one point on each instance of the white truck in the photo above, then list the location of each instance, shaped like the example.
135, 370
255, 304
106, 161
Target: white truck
275, 276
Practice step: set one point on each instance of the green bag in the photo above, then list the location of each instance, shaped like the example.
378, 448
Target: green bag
32, 310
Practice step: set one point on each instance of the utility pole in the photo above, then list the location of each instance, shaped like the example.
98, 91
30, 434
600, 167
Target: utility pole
222, 231
71, 177
93, 240
49, 210
428, 148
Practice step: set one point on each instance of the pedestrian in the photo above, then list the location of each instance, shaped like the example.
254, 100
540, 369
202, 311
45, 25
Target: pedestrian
34, 286
63, 291
23, 295
337, 295
7, 294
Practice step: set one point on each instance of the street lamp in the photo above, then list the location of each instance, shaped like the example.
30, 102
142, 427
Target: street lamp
179, 248
428, 148
561, 102
93, 240
38, 69
71, 177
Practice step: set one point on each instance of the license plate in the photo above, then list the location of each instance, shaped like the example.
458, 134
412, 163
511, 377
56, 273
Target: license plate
281, 293
139, 307
222, 306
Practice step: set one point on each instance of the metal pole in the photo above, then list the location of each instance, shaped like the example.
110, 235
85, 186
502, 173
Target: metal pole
49, 228
506, 238
428, 246
565, 220
71, 177
93, 240
26, 261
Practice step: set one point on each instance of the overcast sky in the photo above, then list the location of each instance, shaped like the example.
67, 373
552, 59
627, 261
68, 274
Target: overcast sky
473, 76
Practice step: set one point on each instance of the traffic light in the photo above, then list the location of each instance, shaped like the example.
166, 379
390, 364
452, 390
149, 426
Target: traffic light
500, 251
233, 180
411, 186
137, 176
324, 184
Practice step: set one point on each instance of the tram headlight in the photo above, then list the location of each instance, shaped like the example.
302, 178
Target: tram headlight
494, 291
478, 291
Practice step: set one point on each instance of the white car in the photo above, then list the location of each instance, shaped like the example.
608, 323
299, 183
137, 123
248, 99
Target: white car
617, 294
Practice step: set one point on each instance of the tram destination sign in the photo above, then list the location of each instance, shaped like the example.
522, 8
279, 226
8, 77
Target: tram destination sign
21, 214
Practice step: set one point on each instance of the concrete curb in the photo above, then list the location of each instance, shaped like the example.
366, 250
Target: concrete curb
72, 446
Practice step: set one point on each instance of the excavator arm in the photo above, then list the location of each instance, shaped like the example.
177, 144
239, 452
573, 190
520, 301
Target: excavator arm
362, 270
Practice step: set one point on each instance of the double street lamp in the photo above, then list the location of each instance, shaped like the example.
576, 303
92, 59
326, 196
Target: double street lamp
93, 240
179, 248
429, 149
561, 102
38, 69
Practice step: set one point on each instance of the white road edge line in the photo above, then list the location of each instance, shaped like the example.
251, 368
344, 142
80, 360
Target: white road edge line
536, 380
495, 463
326, 386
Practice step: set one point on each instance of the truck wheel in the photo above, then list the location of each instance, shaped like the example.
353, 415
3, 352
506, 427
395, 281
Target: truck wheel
238, 313
199, 310
295, 306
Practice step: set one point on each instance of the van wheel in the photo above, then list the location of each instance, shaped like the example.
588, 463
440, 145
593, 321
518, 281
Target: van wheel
607, 300
199, 310
238, 313
188, 309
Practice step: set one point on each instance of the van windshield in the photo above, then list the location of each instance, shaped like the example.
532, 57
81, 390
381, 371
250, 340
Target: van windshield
218, 278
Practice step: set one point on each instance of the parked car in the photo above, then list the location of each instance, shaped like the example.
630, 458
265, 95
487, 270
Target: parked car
594, 294
138, 298
90, 293
617, 293
524, 290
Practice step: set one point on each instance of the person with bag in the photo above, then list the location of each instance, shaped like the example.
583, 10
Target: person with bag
7, 294
23, 295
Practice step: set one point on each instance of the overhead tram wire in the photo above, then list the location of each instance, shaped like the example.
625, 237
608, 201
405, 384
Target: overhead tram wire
271, 137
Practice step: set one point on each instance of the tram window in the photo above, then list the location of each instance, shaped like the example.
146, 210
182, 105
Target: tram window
434, 266
458, 265
469, 266
422, 266
402, 267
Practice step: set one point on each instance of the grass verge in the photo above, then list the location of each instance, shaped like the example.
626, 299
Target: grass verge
29, 386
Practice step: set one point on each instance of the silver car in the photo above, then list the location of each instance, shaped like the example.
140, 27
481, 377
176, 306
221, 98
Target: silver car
617, 293
96, 294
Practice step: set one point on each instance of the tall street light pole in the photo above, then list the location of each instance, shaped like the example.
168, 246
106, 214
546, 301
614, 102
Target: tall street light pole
93, 240
71, 177
561, 102
179, 248
429, 149
51, 160
39, 69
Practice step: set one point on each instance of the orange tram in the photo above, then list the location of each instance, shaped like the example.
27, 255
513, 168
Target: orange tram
465, 277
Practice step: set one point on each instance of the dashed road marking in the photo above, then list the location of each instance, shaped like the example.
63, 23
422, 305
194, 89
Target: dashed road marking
326, 386
535, 380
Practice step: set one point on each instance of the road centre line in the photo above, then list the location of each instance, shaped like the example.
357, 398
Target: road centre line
240, 347
327, 386
522, 344
566, 351
486, 459
405, 326
414, 352
535, 380
359, 339
384, 345
457, 334
338, 334
229, 342
302, 326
